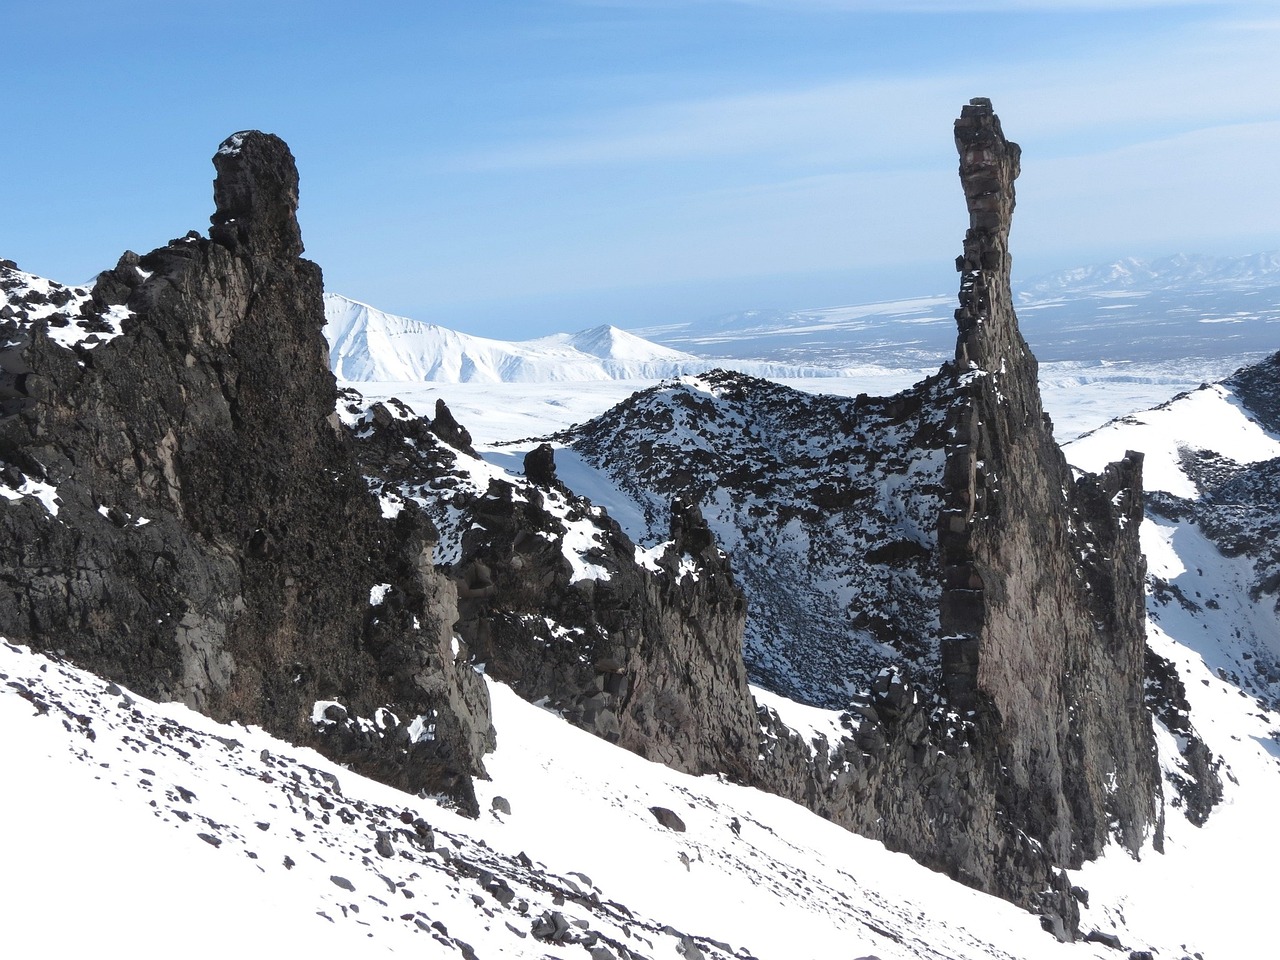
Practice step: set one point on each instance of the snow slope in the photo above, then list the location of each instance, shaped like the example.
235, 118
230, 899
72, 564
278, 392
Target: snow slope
149, 826
366, 344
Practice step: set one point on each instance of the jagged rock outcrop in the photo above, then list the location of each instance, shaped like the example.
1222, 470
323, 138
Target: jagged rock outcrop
642, 648
998, 732
1042, 611
818, 499
184, 511
206, 534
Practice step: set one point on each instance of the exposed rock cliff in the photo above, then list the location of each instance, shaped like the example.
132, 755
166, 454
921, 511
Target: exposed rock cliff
642, 648
1042, 612
206, 534
826, 504
184, 512
984, 605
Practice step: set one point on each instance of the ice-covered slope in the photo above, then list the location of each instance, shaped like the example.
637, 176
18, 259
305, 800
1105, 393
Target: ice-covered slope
366, 344
141, 822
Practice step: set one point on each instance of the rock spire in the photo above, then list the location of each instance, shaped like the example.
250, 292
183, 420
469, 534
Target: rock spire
256, 194
1027, 554
215, 540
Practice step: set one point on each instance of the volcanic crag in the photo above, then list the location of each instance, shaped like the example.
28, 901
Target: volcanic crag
997, 728
207, 535
185, 512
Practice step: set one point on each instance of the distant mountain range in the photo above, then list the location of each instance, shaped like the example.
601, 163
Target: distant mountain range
1142, 311
1178, 307
366, 344
1177, 272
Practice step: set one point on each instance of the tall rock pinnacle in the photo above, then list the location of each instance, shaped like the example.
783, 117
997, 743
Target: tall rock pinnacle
216, 541
1042, 611
256, 194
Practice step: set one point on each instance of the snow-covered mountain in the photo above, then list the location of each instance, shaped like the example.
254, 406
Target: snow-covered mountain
1026, 704
366, 344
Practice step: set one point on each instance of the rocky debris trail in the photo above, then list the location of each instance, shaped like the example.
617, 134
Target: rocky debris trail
393, 871
366, 863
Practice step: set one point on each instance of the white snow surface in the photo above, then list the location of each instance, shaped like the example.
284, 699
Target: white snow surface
366, 344
86, 844
90, 847
1209, 418
46, 493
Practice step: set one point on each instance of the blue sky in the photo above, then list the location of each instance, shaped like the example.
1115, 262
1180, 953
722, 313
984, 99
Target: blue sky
512, 168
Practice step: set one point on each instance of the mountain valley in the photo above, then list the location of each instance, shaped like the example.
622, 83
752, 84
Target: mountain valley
725, 669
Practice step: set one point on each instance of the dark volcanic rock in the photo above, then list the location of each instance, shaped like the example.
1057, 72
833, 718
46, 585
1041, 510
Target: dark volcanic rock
987, 605
1042, 611
668, 818
216, 542
826, 504
555, 601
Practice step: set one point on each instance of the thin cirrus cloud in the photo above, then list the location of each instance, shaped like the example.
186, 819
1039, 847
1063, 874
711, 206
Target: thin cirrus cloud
934, 6
1224, 72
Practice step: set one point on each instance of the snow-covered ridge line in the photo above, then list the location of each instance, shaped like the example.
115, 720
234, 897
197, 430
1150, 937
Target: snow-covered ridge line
27, 300
369, 345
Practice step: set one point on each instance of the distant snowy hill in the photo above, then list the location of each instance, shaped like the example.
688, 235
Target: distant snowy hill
366, 344
1171, 309
1179, 271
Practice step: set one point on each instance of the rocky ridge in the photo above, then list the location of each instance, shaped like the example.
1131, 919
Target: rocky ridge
997, 725
1042, 614
641, 648
183, 512
818, 499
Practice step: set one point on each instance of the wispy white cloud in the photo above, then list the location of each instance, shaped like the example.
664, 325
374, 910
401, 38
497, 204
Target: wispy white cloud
1183, 81
935, 6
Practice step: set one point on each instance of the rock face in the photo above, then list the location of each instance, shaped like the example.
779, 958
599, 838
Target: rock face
987, 610
184, 511
817, 499
642, 649
214, 540
1042, 613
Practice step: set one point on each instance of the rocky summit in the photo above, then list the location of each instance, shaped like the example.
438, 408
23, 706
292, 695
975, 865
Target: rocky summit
191, 508
930, 563
206, 535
